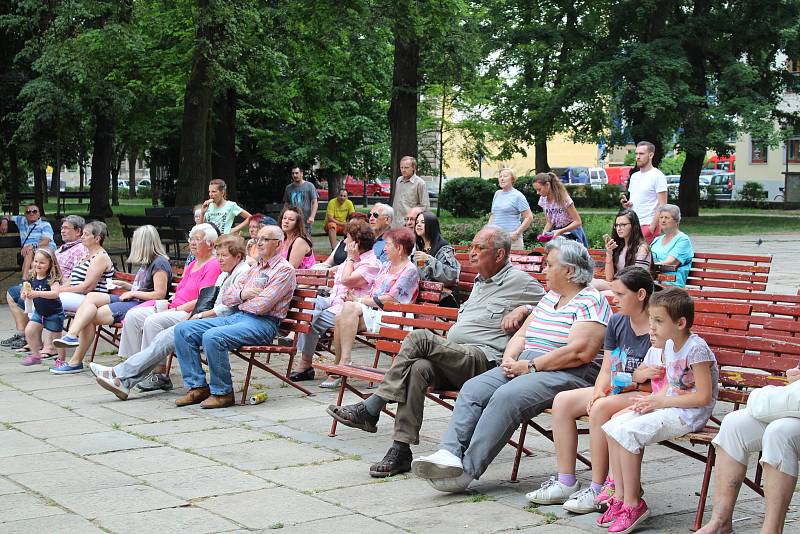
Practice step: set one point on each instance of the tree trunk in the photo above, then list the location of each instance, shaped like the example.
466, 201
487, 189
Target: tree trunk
55, 180
223, 155
540, 159
195, 150
403, 107
115, 167
39, 184
335, 184
13, 175
688, 192
101, 166
132, 156
81, 173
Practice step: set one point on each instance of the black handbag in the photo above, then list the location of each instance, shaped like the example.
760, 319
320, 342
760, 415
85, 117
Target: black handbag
206, 299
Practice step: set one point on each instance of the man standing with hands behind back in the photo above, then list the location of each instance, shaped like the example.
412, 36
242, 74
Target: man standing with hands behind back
409, 190
647, 190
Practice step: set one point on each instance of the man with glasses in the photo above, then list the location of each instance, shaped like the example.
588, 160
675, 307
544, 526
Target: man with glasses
262, 296
380, 220
33, 233
410, 220
68, 255
499, 303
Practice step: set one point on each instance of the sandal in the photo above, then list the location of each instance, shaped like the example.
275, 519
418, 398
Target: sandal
395, 462
354, 416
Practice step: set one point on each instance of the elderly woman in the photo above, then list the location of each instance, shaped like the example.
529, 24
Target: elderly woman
508, 206
353, 280
255, 223
68, 255
151, 282
436, 259
144, 323
739, 437
339, 252
120, 379
397, 281
557, 348
94, 271
672, 248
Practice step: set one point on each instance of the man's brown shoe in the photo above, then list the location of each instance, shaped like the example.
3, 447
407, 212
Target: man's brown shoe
218, 401
193, 396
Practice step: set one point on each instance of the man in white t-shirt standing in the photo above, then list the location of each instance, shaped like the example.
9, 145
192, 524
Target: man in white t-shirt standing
647, 190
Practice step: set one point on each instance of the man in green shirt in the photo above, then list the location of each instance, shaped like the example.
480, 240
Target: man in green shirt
336, 216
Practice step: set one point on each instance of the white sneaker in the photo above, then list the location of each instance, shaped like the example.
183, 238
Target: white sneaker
100, 370
440, 465
552, 492
451, 484
117, 389
582, 502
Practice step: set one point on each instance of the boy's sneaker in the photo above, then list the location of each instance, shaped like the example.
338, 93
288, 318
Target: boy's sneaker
606, 493
66, 342
610, 515
629, 518
32, 360
552, 492
582, 502
67, 369
154, 382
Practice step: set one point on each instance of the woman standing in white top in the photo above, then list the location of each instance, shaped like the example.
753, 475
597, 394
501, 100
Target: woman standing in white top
508, 206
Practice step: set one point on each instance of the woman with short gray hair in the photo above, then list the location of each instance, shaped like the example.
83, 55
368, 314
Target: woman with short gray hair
672, 248
563, 335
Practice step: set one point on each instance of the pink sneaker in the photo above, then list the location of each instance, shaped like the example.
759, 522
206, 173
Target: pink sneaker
606, 492
629, 518
32, 359
610, 515
58, 362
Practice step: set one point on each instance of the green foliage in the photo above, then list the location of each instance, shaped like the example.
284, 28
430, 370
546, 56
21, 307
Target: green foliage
468, 197
752, 195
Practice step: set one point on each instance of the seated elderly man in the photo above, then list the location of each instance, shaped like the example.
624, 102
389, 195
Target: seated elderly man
68, 255
33, 233
410, 220
497, 305
381, 217
558, 348
262, 295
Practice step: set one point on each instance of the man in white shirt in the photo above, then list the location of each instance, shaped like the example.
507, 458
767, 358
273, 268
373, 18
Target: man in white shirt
647, 190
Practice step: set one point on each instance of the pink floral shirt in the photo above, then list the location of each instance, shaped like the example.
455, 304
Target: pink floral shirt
403, 286
69, 255
367, 267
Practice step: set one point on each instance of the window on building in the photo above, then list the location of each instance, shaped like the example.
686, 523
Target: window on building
793, 65
758, 152
793, 150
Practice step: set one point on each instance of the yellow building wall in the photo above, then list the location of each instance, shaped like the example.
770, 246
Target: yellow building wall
561, 152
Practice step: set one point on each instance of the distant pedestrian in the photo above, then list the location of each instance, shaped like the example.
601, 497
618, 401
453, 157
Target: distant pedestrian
409, 191
647, 190
302, 194
508, 207
220, 212
559, 209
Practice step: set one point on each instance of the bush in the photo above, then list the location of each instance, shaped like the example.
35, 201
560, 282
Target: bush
143, 192
468, 197
752, 195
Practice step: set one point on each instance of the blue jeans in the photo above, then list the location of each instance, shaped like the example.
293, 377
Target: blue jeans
217, 336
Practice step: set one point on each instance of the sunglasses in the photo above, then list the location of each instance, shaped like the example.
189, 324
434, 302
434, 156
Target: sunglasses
28, 212
374, 215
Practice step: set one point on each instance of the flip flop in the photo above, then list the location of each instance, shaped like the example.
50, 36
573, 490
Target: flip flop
26, 348
48, 355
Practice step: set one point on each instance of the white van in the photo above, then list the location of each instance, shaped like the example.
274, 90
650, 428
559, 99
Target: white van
598, 176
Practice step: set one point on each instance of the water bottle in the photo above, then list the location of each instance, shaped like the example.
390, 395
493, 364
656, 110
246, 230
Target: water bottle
619, 382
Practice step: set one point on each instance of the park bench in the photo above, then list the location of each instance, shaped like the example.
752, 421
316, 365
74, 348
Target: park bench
63, 196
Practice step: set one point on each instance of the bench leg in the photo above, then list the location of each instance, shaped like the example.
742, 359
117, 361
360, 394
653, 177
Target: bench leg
518, 456
169, 363
339, 399
247, 380
701, 504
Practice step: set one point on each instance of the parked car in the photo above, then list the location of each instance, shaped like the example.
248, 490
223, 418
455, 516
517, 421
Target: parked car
355, 188
144, 182
722, 184
674, 182
572, 175
433, 189
598, 177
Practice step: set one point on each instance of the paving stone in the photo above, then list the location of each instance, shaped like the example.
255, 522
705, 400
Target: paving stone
264, 508
205, 482
71, 523
169, 520
7, 487
161, 408
17, 506
97, 442
103, 415
66, 426
72, 392
33, 379
14, 443
394, 495
89, 477
268, 454
49, 461
119, 500
327, 476
151, 460
16, 407
347, 523
211, 438
180, 426
482, 516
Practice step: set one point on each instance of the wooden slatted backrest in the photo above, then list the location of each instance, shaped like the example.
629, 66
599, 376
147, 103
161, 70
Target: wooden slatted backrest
764, 305
777, 328
298, 318
430, 292
310, 278
730, 271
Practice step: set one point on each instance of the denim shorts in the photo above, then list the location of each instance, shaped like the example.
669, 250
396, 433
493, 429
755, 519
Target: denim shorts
15, 292
53, 323
121, 307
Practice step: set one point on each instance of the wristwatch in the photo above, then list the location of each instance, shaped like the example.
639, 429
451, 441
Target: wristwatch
531, 366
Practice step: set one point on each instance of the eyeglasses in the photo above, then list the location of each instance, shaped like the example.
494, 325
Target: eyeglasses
374, 215
28, 212
196, 240
621, 225
259, 240
479, 246
411, 218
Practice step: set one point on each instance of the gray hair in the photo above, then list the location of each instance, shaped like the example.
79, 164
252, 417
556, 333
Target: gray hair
76, 221
573, 254
672, 209
277, 231
501, 240
210, 234
510, 171
385, 209
97, 228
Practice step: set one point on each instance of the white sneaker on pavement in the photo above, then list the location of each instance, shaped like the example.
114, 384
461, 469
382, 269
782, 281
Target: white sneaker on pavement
552, 492
451, 484
582, 502
439, 465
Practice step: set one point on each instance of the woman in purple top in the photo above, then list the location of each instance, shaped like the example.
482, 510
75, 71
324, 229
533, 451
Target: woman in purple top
559, 209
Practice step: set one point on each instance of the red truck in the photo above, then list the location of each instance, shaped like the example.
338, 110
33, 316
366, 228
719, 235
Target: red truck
355, 188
